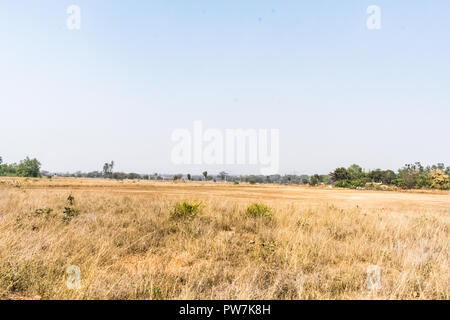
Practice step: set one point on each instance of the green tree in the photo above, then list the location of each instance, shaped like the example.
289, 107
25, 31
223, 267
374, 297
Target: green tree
314, 180
325, 178
205, 174
355, 172
29, 168
133, 176
388, 177
340, 174
411, 176
376, 175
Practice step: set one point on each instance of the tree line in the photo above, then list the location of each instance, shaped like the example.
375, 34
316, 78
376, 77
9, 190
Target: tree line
410, 176
25, 168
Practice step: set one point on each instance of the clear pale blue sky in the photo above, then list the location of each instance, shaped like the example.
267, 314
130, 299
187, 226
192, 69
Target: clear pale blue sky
117, 88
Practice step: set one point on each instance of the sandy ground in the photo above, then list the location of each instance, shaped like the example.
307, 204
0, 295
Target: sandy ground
417, 199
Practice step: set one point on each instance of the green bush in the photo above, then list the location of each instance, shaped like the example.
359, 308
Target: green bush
342, 184
358, 183
257, 210
186, 210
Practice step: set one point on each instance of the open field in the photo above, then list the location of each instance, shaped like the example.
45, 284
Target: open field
318, 244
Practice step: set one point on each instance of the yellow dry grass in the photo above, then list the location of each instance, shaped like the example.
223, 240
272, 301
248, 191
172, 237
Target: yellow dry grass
318, 243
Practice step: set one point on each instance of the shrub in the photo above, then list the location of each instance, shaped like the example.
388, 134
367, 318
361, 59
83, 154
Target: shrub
439, 180
69, 213
256, 210
358, 183
186, 209
71, 200
156, 293
342, 184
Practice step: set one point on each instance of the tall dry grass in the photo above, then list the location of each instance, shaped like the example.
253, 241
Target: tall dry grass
128, 246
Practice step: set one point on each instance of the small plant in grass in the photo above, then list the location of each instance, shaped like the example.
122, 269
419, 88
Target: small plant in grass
156, 293
69, 213
43, 212
186, 210
258, 210
71, 200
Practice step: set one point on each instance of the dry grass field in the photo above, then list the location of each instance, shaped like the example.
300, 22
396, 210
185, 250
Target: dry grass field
317, 244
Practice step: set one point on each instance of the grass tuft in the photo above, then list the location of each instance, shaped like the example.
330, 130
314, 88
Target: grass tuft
258, 210
186, 210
